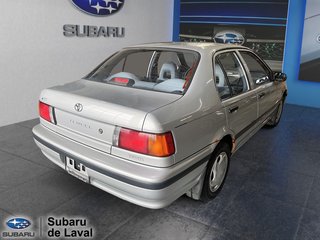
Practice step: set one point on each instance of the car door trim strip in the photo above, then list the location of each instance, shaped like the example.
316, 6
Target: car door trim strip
267, 113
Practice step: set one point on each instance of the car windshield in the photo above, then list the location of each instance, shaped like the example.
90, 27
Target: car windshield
156, 70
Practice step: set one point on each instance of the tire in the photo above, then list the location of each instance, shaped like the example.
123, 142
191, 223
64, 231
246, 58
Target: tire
216, 172
275, 119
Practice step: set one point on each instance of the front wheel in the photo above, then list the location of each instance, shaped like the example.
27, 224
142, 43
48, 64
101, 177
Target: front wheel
216, 172
275, 119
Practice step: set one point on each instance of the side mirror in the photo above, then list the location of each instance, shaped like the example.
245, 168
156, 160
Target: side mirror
279, 76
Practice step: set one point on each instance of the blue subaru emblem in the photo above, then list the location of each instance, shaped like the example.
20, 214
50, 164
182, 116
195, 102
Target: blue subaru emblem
229, 37
18, 223
99, 7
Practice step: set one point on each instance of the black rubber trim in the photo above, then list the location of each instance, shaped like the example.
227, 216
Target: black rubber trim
122, 178
54, 115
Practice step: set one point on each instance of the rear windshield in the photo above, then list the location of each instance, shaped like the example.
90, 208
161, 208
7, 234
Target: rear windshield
156, 70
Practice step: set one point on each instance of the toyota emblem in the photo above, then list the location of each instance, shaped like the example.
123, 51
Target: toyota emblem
78, 107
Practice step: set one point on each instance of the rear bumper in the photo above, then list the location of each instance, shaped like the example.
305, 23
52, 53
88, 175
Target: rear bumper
150, 187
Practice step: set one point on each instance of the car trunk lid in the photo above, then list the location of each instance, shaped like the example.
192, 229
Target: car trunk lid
93, 110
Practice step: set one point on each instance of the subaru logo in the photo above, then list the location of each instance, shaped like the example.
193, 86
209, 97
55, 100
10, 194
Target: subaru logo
229, 37
18, 223
78, 107
99, 7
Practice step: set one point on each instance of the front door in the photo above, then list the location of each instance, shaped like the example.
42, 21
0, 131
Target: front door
261, 78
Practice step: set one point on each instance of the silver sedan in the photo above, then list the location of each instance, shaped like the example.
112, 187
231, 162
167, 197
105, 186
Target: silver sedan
156, 121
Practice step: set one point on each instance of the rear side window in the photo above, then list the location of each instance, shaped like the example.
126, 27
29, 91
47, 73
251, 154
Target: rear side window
137, 63
259, 73
221, 81
229, 75
156, 70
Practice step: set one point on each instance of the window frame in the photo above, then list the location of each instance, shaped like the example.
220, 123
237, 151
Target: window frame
261, 62
235, 52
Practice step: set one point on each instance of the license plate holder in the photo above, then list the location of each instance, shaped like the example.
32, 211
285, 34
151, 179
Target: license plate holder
77, 169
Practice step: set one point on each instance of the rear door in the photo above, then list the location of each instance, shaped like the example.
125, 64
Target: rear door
239, 102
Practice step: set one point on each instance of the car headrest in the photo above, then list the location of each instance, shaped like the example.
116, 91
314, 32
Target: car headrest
168, 71
219, 76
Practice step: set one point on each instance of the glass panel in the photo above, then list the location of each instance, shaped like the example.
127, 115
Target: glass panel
258, 72
137, 63
221, 82
234, 72
156, 70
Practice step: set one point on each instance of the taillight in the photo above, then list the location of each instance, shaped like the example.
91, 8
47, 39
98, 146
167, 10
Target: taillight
159, 145
46, 112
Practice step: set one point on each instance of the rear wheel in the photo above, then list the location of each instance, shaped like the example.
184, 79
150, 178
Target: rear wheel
216, 172
275, 119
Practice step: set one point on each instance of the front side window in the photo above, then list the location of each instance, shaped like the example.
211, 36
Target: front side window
229, 75
157, 70
259, 73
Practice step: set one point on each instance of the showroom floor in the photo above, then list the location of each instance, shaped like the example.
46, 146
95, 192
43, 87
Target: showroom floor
272, 190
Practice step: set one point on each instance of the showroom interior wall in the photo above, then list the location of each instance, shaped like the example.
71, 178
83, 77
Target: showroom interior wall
34, 53
300, 92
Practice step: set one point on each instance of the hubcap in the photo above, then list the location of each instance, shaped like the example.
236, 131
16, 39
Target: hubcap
218, 171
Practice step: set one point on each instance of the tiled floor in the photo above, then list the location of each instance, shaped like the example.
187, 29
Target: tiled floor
272, 190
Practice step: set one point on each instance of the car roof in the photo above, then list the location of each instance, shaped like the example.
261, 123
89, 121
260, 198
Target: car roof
196, 46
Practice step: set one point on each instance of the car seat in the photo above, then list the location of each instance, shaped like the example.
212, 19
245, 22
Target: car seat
168, 71
219, 76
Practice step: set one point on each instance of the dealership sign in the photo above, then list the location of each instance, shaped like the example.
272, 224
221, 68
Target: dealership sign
18, 228
53, 228
95, 8
99, 7
232, 37
18, 223
70, 30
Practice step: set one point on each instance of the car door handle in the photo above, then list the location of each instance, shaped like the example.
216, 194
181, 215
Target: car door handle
261, 95
233, 109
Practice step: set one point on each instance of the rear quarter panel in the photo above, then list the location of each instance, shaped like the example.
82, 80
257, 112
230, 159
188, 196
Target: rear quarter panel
197, 120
